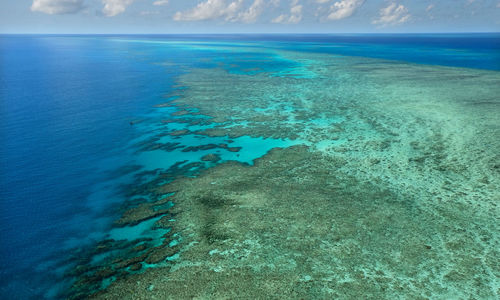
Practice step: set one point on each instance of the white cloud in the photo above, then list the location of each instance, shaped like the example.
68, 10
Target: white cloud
56, 7
392, 15
253, 12
210, 9
160, 2
343, 9
115, 7
294, 17
280, 19
322, 1
215, 9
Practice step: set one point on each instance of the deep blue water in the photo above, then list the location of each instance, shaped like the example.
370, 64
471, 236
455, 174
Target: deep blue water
66, 107
480, 50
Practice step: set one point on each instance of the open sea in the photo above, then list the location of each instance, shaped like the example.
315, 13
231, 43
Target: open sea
221, 162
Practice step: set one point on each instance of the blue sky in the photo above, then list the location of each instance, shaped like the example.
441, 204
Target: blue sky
257, 16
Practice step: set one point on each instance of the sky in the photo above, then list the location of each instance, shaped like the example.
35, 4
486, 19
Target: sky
248, 16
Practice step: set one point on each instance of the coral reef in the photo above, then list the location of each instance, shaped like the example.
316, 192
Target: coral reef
294, 225
391, 193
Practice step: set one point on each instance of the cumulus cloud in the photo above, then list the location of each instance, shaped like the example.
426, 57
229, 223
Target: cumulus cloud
252, 13
215, 9
160, 2
344, 9
56, 7
392, 15
115, 7
294, 17
210, 9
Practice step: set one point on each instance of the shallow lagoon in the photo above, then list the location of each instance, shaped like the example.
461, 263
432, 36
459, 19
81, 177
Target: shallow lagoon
382, 180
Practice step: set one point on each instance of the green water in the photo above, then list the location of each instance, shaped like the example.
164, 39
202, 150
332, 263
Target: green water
385, 184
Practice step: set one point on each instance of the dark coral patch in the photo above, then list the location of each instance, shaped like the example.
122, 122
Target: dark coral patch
211, 157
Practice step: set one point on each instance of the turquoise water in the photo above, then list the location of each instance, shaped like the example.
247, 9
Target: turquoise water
92, 125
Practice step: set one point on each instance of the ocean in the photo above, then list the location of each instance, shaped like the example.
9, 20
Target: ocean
320, 162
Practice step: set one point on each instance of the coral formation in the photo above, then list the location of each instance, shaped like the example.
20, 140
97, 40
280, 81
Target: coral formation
391, 193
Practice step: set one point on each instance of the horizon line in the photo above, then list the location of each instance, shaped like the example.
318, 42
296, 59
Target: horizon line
262, 33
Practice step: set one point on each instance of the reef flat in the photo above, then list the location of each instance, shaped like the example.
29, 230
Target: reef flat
290, 227
389, 188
